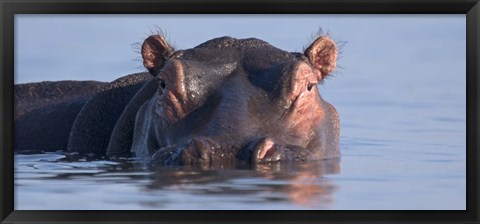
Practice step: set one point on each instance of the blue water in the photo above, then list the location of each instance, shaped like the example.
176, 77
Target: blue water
401, 95
410, 159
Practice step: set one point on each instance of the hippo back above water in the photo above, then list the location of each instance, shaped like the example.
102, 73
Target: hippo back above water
226, 100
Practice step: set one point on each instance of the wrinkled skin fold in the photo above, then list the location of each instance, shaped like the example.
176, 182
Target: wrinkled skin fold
226, 100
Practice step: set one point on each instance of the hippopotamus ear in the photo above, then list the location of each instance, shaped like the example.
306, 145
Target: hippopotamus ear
322, 54
155, 52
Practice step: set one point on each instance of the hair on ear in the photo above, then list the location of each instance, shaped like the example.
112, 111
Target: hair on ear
137, 46
155, 51
323, 52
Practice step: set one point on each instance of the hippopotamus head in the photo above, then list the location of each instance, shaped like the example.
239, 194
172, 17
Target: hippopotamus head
236, 99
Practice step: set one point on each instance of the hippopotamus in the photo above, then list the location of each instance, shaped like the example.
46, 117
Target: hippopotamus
225, 100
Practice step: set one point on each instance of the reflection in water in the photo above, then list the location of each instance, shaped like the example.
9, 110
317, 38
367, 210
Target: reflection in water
302, 184
41, 179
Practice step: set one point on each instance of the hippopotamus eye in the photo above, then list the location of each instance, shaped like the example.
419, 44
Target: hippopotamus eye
162, 84
310, 86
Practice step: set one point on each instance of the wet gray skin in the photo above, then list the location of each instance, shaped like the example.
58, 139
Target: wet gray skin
230, 99
224, 101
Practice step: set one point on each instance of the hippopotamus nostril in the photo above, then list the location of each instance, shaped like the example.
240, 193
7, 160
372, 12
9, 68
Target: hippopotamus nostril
263, 148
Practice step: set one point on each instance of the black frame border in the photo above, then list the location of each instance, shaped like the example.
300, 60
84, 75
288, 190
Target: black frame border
8, 8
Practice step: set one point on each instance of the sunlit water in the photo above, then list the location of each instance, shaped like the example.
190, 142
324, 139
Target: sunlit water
401, 99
